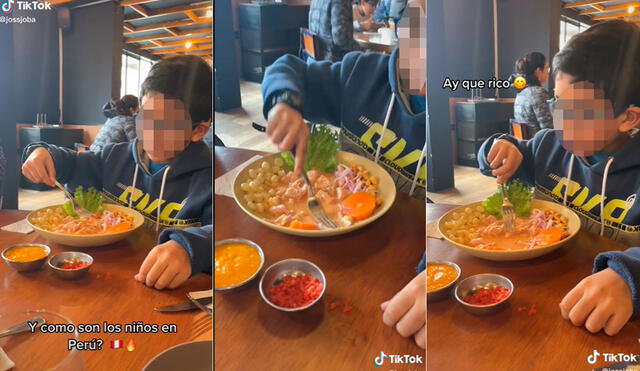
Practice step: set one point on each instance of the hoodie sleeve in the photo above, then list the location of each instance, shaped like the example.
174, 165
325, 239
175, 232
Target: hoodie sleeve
627, 265
528, 148
319, 84
197, 242
73, 168
423, 263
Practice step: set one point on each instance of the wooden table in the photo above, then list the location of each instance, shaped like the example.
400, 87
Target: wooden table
366, 267
118, 300
375, 42
509, 340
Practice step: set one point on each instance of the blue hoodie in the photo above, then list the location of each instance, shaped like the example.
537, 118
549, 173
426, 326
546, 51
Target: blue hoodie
358, 94
186, 198
550, 167
362, 96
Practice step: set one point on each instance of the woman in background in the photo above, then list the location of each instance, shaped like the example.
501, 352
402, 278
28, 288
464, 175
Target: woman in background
120, 127
363, 16
531, 103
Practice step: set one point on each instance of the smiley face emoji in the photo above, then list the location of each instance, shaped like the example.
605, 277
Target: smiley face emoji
520, 82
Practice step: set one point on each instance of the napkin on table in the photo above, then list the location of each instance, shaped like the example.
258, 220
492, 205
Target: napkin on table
21, 226
224, 183
433, 232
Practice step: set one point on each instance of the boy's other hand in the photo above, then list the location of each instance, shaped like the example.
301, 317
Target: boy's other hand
407, 310
287, 129
504, 158
39, 168
166, 266
600, 301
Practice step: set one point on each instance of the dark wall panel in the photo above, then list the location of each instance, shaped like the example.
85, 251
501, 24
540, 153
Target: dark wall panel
518, 35
92, 59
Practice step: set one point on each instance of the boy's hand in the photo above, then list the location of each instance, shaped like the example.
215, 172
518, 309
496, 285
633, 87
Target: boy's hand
600, 301
504, 158
38, 167
287, 129
166, 266
366, 25
407, 310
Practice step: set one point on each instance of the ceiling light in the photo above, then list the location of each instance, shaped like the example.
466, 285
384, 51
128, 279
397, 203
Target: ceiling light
209, 13
188, 44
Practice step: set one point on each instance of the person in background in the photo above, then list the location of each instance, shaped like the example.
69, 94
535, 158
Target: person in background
531, 105
389, 9
368, 95
120, 127
363, 15
332, 21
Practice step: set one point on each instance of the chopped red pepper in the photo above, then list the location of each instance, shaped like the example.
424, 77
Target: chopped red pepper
98, 276
334, 305
521, 309
533, 310
296, 291
347, 308
107, 276
485, 296
74, 265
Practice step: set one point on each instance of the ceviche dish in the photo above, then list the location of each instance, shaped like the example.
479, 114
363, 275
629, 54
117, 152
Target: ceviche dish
64, 219
349, 193
481, 226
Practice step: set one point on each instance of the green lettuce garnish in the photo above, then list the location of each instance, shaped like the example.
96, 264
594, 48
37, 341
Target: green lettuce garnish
321, 151
90, 200
518, 193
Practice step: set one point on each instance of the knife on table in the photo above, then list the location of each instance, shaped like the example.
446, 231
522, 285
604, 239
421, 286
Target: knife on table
186, 305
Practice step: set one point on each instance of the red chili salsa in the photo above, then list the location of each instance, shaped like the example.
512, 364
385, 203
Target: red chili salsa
295, 291
487, 295
73, 264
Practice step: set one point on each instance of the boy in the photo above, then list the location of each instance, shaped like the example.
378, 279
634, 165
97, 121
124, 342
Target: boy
379, 102
165, 173
590, 163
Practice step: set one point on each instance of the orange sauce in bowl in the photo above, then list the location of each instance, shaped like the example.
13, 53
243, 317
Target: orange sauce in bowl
235, 263
26, 254
439, 276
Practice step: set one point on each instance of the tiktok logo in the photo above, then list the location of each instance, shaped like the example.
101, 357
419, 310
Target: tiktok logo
593, 358
379, 360
7, 6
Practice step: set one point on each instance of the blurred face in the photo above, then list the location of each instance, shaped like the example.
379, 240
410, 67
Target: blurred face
163, 126
584, 116
412, 41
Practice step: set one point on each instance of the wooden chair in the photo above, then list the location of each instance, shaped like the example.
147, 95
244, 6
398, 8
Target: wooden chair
521, 130
309, 45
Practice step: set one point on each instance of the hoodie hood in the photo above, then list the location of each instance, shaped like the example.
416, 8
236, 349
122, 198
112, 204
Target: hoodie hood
625, 158
195, 157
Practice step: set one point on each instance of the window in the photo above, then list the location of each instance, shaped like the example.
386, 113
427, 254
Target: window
568, 28
134, 70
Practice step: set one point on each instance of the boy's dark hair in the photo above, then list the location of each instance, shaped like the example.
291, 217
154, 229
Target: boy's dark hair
528, 65
186, 78
607, 55
125, 104
371, 2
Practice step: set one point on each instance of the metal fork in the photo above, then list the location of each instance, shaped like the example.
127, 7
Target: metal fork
317, 211
76, 207
508, 212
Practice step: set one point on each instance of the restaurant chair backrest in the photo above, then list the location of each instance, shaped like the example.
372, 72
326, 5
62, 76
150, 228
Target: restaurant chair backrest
81, 147
309, 45
521, 130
